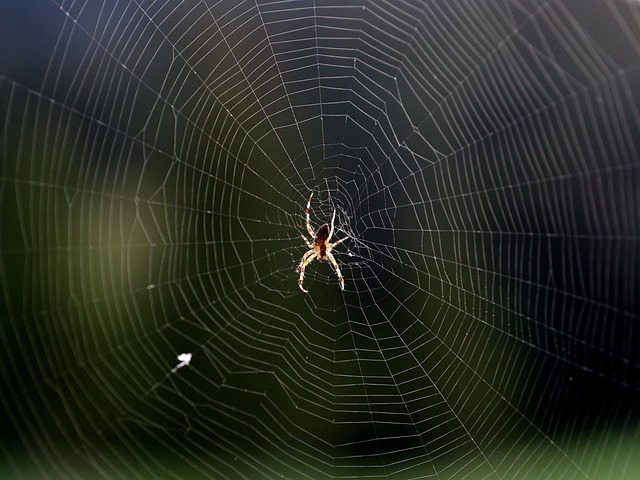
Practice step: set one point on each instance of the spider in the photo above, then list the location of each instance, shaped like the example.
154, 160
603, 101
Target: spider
321, 249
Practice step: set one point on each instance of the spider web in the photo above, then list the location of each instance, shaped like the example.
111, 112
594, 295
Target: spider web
481, 158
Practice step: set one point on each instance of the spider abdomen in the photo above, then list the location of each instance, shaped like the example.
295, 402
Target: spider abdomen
323, 234
321, 241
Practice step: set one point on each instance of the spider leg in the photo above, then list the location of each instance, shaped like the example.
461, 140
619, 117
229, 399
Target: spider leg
307, 258
337, 268
308, 210
309, 244
303, 262
339, 241
333, 219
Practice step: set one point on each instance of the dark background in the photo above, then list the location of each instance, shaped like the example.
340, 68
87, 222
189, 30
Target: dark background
482, 158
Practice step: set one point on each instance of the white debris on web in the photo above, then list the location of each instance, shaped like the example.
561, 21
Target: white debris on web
185, 359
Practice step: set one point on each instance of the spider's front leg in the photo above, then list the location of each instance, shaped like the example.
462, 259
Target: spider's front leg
309, 244
339, 242
333, 220
308, 210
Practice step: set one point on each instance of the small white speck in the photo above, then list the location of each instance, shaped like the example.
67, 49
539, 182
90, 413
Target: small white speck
185, 359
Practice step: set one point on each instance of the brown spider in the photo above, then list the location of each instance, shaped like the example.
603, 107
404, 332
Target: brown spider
321, 249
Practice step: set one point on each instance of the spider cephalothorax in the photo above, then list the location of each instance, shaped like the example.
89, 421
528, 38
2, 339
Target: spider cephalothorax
320, 249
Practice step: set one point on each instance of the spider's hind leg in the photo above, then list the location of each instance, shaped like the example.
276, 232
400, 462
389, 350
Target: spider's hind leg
337, 269
307, 258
